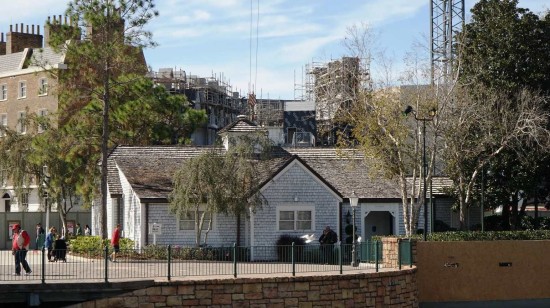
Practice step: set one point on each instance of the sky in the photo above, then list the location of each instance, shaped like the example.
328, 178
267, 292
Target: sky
264, 46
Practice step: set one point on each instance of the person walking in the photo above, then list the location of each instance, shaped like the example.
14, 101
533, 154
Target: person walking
87, 231
20, 245
115, 243
50, 238
40, 234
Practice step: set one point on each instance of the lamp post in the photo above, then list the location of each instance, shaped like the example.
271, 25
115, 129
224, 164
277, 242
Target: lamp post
353, 200
45, 184
430, 117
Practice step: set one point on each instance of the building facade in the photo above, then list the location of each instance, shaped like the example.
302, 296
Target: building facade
26, 87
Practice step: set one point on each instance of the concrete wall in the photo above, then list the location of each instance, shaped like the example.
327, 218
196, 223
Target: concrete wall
482, 271
386, 289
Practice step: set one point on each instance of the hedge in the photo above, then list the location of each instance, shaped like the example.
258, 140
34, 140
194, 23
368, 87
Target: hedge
453, 236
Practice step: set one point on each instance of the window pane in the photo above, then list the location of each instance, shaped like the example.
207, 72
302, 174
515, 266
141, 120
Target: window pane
304, 215
187, 221
286, 225
303, 225
286, 215
187, 225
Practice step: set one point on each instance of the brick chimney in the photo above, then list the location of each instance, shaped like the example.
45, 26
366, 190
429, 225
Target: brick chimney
56, 25
20, 39
2, 44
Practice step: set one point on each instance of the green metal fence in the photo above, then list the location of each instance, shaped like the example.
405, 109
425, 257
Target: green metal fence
177, 261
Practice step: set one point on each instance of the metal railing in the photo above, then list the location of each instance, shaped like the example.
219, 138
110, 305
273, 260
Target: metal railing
179, 262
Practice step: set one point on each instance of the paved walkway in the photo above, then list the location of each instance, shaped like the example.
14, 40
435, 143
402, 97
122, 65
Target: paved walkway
79, 269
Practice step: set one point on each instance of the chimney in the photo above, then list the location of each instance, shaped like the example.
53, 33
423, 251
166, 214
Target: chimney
21, 38
55, 26
2, 44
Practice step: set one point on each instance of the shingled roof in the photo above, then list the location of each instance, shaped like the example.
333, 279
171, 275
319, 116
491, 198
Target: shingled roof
242, 125
39, 58
150, 170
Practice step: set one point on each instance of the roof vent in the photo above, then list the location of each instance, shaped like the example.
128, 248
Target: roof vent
242, 117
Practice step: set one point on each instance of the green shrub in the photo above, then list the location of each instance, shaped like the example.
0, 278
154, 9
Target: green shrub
494, 223
490, 236
441, 226
284, 248
532, 223
94, 246
160, 252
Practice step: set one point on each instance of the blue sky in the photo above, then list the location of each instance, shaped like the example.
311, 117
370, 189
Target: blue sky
213, 37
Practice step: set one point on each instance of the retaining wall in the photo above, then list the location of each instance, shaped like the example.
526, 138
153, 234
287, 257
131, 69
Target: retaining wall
383, 289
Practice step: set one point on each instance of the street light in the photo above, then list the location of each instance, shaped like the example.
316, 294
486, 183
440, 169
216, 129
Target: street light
45, 184
431, 115
353, 200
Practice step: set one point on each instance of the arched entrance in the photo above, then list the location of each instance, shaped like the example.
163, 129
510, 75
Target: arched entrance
378, 224
5, 205
379, 219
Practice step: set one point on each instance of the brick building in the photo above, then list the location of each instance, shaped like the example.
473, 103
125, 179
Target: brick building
26, 88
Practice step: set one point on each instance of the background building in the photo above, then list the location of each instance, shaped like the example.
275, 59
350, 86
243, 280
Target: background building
212, 94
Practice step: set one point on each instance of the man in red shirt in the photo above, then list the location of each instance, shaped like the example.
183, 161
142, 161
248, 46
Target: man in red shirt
20, 245
115, 243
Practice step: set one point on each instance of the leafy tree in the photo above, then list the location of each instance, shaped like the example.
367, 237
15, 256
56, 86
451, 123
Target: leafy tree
475, 136
113, 39
14, 150
391, 142
505, 49
220, 181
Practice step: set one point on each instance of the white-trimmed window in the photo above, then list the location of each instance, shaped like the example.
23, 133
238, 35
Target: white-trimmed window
187, 221
3, 123
3, 178
3, 92
22, 89
22, 123
25, 200
296, 218
43, 86
42, 113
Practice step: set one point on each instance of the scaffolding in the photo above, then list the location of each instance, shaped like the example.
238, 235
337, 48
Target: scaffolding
269, 113
212, 94
333, 86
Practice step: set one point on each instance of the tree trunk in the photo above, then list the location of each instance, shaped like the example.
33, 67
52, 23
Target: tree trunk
238, 230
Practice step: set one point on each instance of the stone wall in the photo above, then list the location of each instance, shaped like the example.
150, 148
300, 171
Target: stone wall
390, 253
383, 289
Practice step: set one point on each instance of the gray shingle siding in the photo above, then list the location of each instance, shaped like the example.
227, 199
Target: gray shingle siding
223, 232
296, 181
